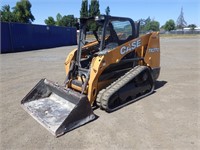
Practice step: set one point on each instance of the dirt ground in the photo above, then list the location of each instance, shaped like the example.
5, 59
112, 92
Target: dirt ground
167, 119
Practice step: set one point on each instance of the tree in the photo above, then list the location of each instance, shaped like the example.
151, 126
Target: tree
107, 10
59, 19
192, 27
152, 26
142, 25
169, 25
72, 21
162, 27
6, 14
50, 21
22, 12
68, 20
181, 23
94, 8
84, 9
93, 11
149, 25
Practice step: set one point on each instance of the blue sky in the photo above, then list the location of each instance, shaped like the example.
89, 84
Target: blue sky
160, 10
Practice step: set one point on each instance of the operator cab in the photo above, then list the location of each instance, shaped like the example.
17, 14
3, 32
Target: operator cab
106, 33
97, 36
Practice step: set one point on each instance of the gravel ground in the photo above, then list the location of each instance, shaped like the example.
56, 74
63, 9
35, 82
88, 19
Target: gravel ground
167, 119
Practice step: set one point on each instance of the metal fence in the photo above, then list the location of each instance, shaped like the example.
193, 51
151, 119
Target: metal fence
16, 37
185, 32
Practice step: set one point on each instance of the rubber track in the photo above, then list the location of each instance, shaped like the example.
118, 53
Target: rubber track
104, 95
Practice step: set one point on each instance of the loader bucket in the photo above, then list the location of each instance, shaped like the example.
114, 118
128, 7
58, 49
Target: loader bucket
58, 109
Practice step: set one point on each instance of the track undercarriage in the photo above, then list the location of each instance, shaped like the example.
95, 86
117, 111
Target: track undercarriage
135, 84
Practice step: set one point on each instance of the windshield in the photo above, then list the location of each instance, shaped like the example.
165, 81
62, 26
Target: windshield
93, 31
116, 31
123, 29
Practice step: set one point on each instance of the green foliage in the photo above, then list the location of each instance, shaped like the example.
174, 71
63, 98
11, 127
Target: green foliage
6, 14
92, 26
67, 21
93, 11
22, 12
149, 25
107, 10
142, 25
181, 23
59, 20
152, 26
94, 8
192, 26
84, 9
162, 27
50, 21
148, 20
170, 25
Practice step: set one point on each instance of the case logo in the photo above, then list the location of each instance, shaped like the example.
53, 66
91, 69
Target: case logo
131, 47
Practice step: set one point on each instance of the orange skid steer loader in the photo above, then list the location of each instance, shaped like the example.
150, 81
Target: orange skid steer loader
113, 68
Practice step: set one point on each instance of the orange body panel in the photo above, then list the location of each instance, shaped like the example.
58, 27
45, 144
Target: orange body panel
146, 46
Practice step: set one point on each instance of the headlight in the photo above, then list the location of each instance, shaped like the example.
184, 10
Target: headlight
100, 18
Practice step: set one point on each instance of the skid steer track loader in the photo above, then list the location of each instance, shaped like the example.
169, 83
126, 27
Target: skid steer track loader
112, 68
